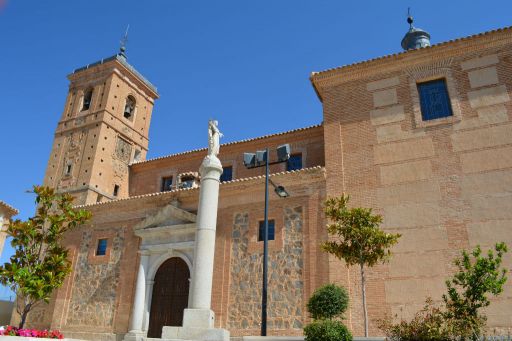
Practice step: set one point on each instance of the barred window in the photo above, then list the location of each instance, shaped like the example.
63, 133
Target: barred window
434, 100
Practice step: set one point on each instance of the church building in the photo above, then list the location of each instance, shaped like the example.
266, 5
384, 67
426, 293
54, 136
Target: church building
423, 137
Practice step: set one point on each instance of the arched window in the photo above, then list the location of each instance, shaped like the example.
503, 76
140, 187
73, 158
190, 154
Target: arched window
87, 99
129, 108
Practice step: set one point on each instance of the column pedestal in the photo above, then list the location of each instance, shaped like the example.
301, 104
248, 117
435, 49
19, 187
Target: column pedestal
198, 320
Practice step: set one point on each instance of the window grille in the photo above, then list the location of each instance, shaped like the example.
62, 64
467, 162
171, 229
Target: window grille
434, 100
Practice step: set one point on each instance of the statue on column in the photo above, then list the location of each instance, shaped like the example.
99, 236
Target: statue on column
214, 136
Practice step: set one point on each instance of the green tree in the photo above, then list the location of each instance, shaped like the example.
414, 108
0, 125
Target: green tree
360, 241
477, 276
40, 263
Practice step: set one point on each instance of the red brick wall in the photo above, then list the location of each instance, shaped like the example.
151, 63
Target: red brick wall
438, 182
146, 177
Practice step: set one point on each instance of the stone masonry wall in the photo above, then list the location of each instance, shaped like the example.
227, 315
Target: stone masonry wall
95, 284
286, 283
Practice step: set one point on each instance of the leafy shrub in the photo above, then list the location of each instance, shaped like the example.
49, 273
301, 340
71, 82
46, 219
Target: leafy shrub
476, 278
459, 319
327, 330
427, 324
328, 302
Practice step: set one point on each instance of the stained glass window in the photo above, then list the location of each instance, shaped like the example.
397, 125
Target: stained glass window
227, 174
101, 250
434, 100
271, 230
294, 162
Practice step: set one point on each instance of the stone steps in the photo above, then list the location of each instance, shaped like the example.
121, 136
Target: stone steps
156, 339
299, 338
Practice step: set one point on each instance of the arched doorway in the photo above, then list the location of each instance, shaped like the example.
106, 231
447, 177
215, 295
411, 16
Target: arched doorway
170, 296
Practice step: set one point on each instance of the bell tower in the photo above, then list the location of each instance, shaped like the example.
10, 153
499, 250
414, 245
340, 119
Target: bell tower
103, 129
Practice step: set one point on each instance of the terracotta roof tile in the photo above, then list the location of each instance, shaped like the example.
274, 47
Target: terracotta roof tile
228, 144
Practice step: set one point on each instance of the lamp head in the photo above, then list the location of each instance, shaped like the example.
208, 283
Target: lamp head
249, 160
283, 152
281, 192
261, 156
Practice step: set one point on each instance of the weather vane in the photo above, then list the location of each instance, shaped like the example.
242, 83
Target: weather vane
409, 17
124, 41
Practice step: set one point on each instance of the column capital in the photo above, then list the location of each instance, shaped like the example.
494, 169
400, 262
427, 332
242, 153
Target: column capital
210, 163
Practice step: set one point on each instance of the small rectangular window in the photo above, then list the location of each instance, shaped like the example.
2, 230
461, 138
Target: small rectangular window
101, 249
294, 162
116, 190
434, 100
271, 230
166, 183
227, 174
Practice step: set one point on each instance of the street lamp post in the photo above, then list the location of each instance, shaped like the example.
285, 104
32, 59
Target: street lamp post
260, 159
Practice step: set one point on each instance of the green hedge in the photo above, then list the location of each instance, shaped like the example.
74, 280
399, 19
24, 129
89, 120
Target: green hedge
328, 302
327, 330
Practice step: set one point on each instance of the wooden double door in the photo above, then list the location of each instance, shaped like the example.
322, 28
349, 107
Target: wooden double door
170, 296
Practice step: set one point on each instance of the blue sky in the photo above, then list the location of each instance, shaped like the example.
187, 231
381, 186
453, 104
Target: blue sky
245, 63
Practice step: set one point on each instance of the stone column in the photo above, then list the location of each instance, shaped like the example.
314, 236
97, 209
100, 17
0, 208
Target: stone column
199, 313
139, 299
147, 304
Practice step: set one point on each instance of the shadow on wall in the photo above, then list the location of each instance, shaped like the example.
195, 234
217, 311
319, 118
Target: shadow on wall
5, 312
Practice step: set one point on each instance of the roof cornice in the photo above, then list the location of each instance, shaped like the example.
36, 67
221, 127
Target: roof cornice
11, 211
126, 67
398, 61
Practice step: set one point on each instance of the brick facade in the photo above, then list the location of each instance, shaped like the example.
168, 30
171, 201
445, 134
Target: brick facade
443, 184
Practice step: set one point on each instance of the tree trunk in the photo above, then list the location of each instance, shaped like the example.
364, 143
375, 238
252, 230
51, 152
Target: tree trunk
363, 288
24, 314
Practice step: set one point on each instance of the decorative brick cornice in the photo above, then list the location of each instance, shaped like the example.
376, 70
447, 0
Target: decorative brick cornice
228, 144
233, 183
410, 59
119, 65
11, 211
